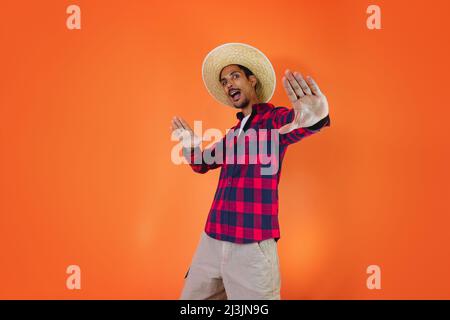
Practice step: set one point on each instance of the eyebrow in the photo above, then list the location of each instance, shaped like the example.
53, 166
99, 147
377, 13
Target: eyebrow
230, 74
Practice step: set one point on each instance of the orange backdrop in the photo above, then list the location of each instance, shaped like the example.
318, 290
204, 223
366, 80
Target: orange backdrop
85, 171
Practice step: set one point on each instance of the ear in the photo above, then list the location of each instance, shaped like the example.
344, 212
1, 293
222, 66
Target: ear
253, 81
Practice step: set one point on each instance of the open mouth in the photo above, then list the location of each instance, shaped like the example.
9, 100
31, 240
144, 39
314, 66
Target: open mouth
235, 94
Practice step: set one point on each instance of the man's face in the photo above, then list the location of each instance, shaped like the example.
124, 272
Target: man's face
238, 88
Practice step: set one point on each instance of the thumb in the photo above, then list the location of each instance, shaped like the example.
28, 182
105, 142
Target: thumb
286, 129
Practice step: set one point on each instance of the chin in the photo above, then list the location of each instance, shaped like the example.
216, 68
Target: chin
241, 105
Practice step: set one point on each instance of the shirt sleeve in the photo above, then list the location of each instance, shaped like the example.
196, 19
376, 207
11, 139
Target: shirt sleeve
196, 157
285, 116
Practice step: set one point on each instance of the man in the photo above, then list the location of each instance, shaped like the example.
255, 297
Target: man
237, 256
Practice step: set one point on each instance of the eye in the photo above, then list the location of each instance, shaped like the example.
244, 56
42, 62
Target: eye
236, 75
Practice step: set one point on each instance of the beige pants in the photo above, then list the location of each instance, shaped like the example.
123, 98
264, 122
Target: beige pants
226, 270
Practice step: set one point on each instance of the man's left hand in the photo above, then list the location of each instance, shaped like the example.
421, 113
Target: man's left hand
309, 103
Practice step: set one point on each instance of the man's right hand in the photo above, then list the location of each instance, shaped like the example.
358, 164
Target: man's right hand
183, 132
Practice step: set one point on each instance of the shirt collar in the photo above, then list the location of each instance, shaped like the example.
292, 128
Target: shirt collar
256, 108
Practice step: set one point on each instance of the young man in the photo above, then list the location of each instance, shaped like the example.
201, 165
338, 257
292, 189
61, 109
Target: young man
237, 256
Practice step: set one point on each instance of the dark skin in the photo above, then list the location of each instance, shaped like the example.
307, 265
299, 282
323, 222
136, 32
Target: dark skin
233, 78
309, 103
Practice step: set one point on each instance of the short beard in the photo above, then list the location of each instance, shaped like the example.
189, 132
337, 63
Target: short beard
243, 104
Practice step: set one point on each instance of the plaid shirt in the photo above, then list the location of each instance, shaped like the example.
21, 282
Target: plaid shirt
245, 205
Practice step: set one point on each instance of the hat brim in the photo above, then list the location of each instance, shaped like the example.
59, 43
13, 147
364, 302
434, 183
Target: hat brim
245, 55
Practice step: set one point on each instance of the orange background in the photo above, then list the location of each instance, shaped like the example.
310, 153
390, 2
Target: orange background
85, 170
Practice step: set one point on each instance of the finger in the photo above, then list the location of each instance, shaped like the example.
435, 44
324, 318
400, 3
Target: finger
285, 129
313, 85
176, 132
290, 92
302, 83
175, 124
185, 125
175, 127
178, 122
294, 84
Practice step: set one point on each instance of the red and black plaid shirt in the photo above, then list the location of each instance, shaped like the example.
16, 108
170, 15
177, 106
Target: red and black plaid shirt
245, 205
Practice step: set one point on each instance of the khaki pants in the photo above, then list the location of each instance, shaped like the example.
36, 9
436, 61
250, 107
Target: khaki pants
226, 270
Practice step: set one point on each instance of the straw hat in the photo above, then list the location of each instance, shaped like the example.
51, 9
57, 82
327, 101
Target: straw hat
245, 55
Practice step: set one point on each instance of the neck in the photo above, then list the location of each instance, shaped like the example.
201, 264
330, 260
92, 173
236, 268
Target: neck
248, 109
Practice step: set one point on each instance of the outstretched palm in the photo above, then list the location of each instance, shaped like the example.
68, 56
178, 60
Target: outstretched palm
309, 103
183, 132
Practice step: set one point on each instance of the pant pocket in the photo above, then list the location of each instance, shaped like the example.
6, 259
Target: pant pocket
264, 249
